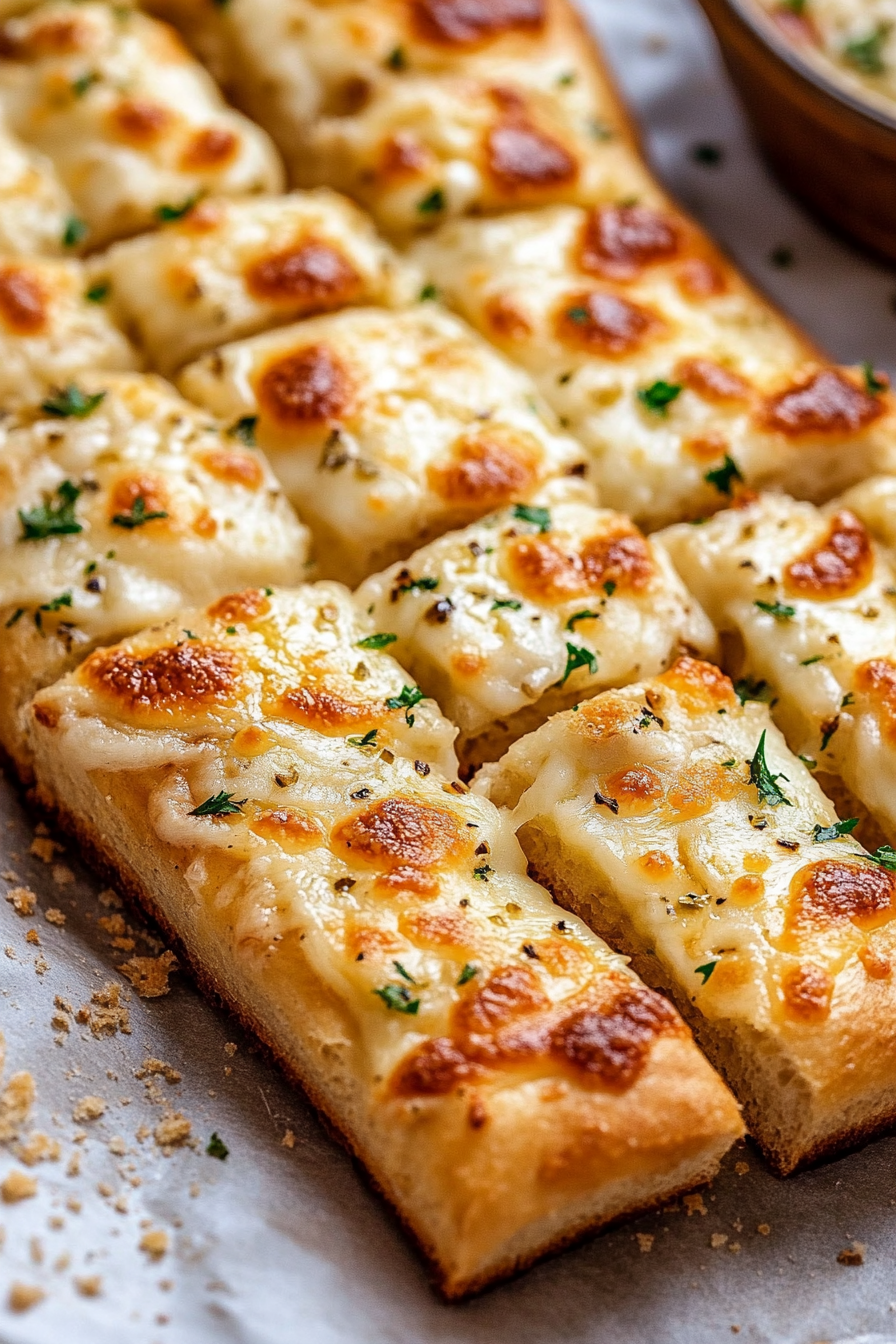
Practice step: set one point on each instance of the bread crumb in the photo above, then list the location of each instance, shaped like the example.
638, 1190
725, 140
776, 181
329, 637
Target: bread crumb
149, 975
288, 1140
195, 1190
23, 900
33, 937
62, 875
41, 965
120, 1204
43, 848
173, 1131
154, 1243
110, 899
73, 1204
38, 1148
62, 1262
17, 1186
24, 1296
105, 1014
54, 916
37, 1250
151, 1066
734, 1247
230, 1049
718, 1239
88, 1285
694, 1204
104, 1189
73, 1167
16, 1101
852, 1255
763, 1229
10, 952
741, 1168
645, 1241
114, 925
117, 1146
57, 1223
89, 1108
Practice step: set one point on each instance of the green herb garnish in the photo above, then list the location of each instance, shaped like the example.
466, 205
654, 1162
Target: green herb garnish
578, 657
379, 641
481, 873
866, 53
582, 616
534, 514
398, 998
706, 969
467, 973
97, 293
659, 396
763, 779
16, 616
167, 214
510, 603
779, 610
816, 658
53, 518
428, 292
822, 833
216, 1147
410, 696
885, 856
724, 477
396, 60
244, 430
874, 382
83, 83
422, 585
753, 690
71, 401
138, 515
403, 973
365, 742
74, 232
219, 805
433, 203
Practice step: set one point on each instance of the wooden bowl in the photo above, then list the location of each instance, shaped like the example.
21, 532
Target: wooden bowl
829, 146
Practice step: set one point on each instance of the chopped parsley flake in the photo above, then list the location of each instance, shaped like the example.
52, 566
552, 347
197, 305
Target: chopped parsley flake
765, 782
428, 292
848, 699
75, 230
467, 973
84, 82
53, 518
865, 53
410, 696
816, 658
822, 833
510, 603
753, 690
779, 610
481, 873
138, 515
874, 382
378, 641
422, 585
659, 396
368, 740
723, 477
706, 969
885, 856
98, 293
534, 514
244, 430
219, 805
55, 604
433, 203
582, 616
167, 214
610, 587
70, 400
578, 314
398, 998
403, 973
568, 77
578, 657
809, 762
16, 616
828, 729
216, 1147
396, 60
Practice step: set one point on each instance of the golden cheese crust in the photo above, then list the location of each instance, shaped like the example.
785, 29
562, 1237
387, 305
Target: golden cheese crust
386, 428
376, 920
118, 506
134, 127
528, 611
54, 325
230, 268
722, 868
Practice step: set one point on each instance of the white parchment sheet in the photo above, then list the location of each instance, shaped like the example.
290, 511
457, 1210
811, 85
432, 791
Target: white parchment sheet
283, 1243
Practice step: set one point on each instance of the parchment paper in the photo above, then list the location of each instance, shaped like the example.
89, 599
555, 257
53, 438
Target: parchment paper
281, 1244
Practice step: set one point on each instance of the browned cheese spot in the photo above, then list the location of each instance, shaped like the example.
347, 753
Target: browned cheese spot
807, 992
832, 891
612, 1043
234, 467
544, 570
620, 241
137, 121
323, 708
828, 402
510, 993
24, 303
606, 323
506, 320
634, 788
310, 277
442, 928
305, 388
524, 160
152, 491
292, 830
405, 841
838, 566
605, 716
177, 680
699, 278
245, 606
712, 381
487, 468
466, 23
209, 150
701, 688
401, 157
877, 679
63, 35
434, 1069
699, 788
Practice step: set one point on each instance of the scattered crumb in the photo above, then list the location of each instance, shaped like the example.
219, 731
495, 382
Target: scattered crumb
89, 1108
54, 916
73, 1204
110, 899
104, 1189
16, 1101
852, 1255
117, 1146
22, 899
718, 1239
741, 1168
17, 1186
288, 1140
763, 1229
151, 1066
195, 1190
73, 1167
154, 1243
62, 1262
24, 1296
645, 1241
694, 1204
33, 937
173, 1131
734, 1247
62, 875
41, 965
120, 1204
10, 952
57, 1223
230, 1049
88, 1285
38, 1148
105, 1014
37, 1251
43, 848
149, 975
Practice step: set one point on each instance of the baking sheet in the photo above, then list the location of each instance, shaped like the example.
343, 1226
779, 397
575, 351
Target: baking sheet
282, 1242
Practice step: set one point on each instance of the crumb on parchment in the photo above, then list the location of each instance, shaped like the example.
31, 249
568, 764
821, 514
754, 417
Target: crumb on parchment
54, 916
17, 1186
173, 1131
23, 900
24, 1296
154, 1243
38, 1147
106, 1014
694, 1204
852, 1255
88, 1285
149, 975
88, 1108
645, 1242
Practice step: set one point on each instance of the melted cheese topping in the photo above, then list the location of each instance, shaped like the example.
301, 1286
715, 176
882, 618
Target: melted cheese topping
50, 331
658, 357
647, 793
825, 653
487, 617
390, 882
130, 121
231, 268
386, 428
34, 207
852, 41
220, 520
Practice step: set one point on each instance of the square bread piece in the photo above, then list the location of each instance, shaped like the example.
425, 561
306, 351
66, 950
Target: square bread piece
134, 126
387, 428
228, 269
506, 1080
35, 208
54, 325
528, 611
424, 109
115, 511
805, 602
660, 359
677, 823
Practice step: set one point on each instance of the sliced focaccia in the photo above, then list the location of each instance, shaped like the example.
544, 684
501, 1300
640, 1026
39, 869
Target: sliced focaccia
386, 428
119, 503
35, 208
682, 383
424, 110
134, 126
806, 605
529, 610
674, 820
263, 787
230, 268
54, 325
